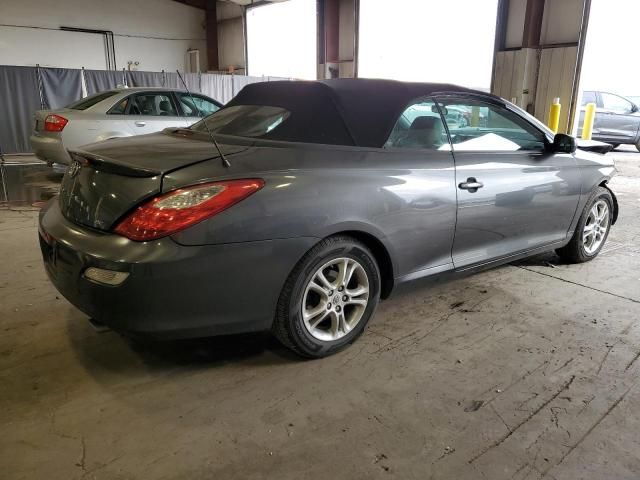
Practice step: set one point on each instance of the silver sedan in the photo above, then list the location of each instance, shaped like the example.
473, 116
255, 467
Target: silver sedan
122, 112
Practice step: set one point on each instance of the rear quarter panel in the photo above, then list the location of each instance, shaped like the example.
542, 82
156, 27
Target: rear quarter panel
405, 199
85, 128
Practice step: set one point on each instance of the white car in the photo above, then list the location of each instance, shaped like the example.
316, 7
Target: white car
116, 113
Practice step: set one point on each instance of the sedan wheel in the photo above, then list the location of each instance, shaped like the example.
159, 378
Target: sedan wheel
328, 298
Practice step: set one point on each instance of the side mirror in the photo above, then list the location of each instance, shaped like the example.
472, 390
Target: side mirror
634, 108
563, 144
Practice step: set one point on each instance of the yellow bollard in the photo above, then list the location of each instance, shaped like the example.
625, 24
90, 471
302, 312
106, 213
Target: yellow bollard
554, 115
589, 118
475, 116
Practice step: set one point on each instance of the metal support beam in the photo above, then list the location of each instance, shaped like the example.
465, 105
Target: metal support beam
586, 12
320, 56
533, 23
356, 36
328, 12
502, 18
331, 30
211, 21
337, 37
501, 35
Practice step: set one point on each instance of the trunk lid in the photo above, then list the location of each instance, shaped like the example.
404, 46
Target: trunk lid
106, 180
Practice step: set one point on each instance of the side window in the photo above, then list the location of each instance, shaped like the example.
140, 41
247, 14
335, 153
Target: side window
419, 126
588, 97
156, 104
615, 104
119, 108
478, 126
195, 105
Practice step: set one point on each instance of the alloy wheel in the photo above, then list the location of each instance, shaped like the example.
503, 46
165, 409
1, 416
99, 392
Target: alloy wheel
335, 299
596, 226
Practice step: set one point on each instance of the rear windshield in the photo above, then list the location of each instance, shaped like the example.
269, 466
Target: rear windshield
244, 120
91, 100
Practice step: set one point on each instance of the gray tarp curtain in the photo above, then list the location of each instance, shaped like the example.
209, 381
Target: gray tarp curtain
19, 99
224, 87
218, 87
191, 79
60, 86
24, 90
145, 79
240, 81
100, 80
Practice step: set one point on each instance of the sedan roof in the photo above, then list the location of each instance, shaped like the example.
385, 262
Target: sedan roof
150, 89
359, 112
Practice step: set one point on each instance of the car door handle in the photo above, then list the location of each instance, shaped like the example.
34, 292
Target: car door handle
471, 184
140, 123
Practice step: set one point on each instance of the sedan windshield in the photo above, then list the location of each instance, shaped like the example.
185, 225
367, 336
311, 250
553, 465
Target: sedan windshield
244, 120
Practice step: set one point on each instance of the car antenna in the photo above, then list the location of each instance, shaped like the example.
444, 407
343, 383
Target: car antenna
225, 162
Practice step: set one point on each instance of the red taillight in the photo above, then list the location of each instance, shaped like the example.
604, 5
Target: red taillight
55, 123
182, 208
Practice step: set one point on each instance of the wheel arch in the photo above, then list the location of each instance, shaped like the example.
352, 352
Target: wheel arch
381, 254
604, 184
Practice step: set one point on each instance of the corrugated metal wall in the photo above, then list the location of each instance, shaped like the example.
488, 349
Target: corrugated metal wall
534, 73
509, 71
556, 79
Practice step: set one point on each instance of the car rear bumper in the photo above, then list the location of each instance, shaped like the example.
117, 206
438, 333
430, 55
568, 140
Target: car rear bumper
49, 149
172, 291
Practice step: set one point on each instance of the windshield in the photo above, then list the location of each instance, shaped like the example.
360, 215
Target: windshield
91, 100
244, 120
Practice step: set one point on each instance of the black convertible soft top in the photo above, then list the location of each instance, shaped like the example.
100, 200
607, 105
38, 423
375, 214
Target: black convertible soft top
349, 111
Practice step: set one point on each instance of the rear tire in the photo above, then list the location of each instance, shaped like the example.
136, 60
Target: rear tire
322, 310
592, 229
638, 145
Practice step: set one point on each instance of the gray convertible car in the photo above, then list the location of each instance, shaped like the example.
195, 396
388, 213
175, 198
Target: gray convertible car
317, 199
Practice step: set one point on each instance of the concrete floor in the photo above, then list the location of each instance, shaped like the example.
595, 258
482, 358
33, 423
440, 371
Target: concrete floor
526, 371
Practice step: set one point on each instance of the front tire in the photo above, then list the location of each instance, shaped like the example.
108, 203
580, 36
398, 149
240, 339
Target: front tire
329, 298
592, 229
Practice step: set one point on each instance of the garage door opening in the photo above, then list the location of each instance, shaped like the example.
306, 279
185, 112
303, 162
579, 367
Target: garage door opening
414, 40
281, 39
